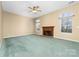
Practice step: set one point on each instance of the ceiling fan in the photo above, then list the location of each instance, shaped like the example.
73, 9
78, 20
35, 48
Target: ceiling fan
35, 9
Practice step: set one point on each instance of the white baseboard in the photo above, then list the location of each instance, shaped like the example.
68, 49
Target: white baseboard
54, 36
15, 36
12, 36
67, 39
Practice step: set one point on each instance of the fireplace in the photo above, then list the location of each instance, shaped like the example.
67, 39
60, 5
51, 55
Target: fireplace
48, 30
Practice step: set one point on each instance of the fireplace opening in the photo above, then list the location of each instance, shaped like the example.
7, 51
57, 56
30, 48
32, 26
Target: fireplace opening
48, 31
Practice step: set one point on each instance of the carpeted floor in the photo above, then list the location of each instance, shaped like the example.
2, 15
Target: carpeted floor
39, 46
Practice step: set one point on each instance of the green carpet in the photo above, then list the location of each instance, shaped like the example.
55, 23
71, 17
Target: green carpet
39, 46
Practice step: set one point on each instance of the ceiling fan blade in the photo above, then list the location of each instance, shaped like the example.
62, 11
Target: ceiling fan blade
39, 10
37, 6
29, 7
30, 11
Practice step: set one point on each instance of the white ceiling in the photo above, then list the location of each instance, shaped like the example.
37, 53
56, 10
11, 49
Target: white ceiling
21, 7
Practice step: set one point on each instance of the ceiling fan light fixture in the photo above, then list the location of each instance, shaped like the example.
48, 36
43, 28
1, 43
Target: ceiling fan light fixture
34, 11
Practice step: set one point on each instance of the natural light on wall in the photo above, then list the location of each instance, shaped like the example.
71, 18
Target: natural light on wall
37, 25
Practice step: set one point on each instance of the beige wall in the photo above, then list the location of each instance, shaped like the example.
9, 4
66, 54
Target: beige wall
15, 25
52, 20
0, 19
0, 23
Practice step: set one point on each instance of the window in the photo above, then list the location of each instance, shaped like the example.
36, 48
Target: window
66, 22
37, 25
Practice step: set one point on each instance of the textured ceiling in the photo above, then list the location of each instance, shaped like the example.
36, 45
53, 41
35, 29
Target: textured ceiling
21, 7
